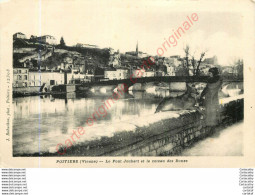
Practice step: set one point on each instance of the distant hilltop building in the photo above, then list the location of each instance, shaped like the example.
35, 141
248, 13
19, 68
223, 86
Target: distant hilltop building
176, 56
44, 39
19, 35
137, 53
86, 45
211, 61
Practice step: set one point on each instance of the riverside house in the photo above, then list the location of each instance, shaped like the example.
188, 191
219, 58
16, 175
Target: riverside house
37, 78
117, 74
20, 77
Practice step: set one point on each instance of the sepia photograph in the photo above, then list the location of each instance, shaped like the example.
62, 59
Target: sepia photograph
80, 98
125, 79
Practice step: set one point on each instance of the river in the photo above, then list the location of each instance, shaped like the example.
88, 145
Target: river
41, 122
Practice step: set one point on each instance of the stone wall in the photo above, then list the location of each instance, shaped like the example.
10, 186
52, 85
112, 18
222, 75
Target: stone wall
63, 88
26, 91
193, 128
23, 50
34, 89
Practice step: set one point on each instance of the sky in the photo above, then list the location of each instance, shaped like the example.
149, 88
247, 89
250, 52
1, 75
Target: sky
120, 25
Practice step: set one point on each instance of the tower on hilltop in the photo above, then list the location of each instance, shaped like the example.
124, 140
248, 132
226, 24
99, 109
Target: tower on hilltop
137, 49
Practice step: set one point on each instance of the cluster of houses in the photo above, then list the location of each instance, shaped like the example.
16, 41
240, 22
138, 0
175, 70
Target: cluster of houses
74, 67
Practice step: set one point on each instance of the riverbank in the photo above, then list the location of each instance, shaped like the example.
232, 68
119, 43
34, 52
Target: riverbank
161, 134
27, 91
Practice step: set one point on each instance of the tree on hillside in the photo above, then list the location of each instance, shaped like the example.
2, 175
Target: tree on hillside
62, 42
190, 64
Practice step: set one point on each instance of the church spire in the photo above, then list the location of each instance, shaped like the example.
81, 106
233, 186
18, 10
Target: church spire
137, 48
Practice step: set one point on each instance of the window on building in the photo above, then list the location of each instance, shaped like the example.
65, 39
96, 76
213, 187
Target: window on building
25, 77
19, 71
52, 82
19, 77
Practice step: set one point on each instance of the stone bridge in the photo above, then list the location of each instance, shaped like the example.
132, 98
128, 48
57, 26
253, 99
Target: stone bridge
141, 83
166, 79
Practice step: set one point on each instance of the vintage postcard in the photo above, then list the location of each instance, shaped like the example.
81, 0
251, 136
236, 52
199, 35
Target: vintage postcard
127, 83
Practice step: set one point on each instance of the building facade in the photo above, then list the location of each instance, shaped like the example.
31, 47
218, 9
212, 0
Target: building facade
20, 77
19, 35
53, 78
117, 74
114, 60
170, 70
45, 39
138, 73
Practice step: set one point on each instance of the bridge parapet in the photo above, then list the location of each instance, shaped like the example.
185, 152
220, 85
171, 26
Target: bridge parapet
166, 79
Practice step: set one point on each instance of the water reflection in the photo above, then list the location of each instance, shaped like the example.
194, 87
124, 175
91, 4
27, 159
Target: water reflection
41, 122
